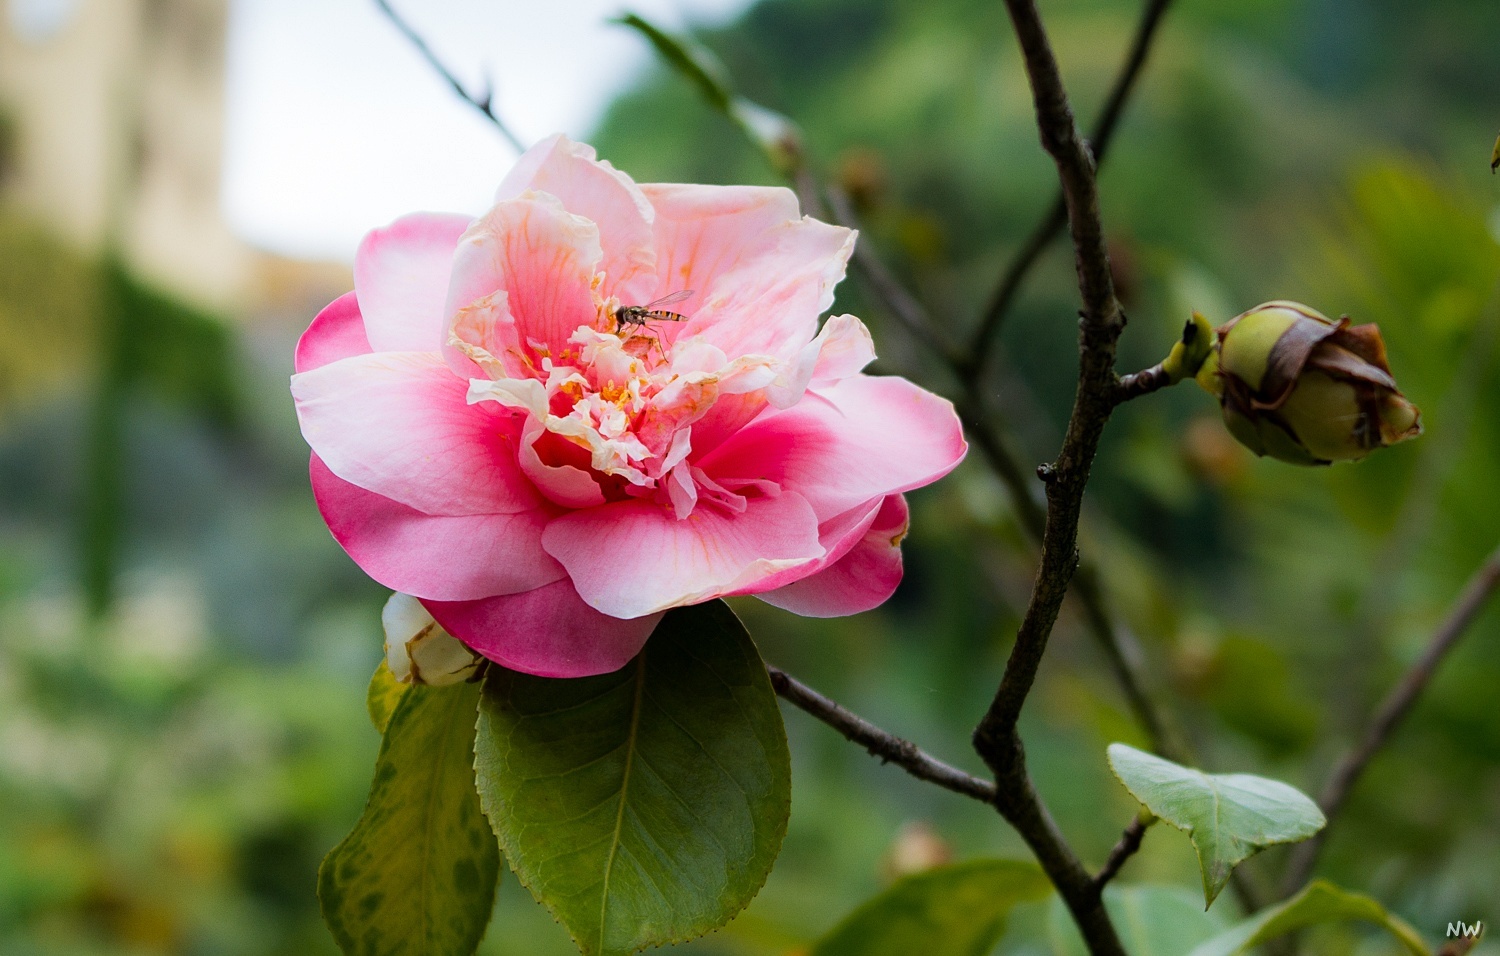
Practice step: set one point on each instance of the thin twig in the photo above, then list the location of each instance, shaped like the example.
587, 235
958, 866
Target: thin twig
1052, 224
887, 746
1397, 704
482, 102
1130, 841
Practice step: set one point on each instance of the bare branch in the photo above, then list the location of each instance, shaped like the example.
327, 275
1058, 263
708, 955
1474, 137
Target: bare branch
888, 747
1052, 224
481, 102
1102, 321
1130, 841
996, 737
1397, 704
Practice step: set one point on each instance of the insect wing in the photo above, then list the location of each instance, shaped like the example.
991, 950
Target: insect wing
656, 304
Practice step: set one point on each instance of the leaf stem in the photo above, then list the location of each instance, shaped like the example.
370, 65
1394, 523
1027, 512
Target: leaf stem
1130, 841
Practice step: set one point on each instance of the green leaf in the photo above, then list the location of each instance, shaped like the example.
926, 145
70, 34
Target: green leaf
383, 696
1152, 920
645, 806
1229, 817
1320, 902
417, 874
955, 910
775, 135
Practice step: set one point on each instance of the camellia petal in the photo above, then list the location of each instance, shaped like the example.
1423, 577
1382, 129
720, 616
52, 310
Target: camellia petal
543, 257
445, 558
549, 632
843, 445
602, 194
632, 558
837, 535
338, 332
704, 232
770, 306
401, 280
399, 424
862, 579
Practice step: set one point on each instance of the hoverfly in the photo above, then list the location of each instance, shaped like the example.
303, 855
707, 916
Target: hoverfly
636, 316
639, 315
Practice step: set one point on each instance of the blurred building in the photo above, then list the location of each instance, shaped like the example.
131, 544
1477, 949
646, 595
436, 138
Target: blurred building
112, 128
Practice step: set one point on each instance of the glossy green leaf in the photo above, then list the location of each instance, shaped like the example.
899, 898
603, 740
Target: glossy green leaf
383, 695
1320, 902
957, 910
1229, 817
645, 806
417, 874
1152, 920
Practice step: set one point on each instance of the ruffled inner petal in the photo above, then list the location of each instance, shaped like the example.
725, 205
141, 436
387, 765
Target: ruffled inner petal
602, 194
544, 259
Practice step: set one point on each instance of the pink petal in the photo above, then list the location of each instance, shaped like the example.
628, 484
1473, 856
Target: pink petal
601, 193
837, 535
399, 424
770, 306
631, 558
702, 231
548, 632
846, 347
762, 274
337, 332
430, 556
847, 443
862, 579
841, 349
542, 256
564, 484
401, 278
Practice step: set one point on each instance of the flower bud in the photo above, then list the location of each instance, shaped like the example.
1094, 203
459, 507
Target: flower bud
1300, 387
418, 650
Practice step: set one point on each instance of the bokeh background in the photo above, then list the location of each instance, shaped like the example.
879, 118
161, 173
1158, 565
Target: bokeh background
184, 649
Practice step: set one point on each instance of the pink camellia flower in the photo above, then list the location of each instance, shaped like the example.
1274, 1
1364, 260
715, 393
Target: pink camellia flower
490, 437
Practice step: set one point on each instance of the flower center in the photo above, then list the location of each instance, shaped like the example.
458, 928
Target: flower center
620, 406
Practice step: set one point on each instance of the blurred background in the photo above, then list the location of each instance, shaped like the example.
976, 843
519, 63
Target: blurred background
184, 649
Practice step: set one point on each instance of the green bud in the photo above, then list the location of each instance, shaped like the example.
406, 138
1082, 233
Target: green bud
1302, 388
418, 650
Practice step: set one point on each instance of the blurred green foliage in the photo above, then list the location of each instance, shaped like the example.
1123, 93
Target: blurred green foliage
173, 770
